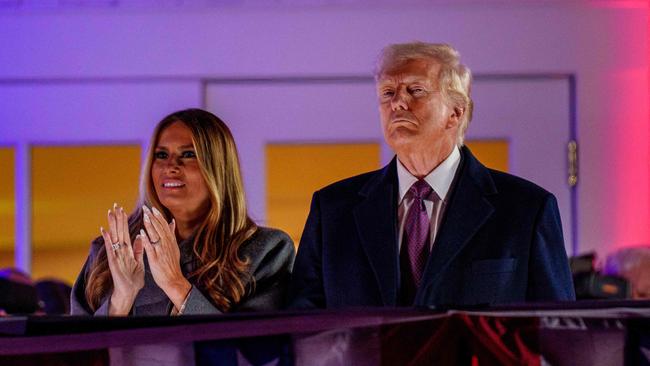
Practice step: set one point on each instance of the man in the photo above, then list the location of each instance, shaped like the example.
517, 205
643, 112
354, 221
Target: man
434, 227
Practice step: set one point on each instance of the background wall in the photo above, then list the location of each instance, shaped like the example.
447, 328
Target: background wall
56, 62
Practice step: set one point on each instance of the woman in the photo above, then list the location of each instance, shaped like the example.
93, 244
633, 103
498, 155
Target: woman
203, 253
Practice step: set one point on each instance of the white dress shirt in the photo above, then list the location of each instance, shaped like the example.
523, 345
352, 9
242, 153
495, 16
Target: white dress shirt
440, 180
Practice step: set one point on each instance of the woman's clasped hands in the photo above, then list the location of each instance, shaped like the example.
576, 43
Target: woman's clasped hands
126, 260
164, 256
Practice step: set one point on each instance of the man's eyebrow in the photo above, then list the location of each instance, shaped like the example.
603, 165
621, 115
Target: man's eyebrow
408, 79
385, 82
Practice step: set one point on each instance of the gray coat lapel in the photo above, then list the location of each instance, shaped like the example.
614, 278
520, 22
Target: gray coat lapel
152, 299
187, 258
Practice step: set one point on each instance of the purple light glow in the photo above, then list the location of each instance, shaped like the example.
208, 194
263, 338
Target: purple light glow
23, 247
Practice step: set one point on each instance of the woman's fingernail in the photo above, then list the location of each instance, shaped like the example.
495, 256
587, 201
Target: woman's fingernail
155, 211
146, 218
142, 232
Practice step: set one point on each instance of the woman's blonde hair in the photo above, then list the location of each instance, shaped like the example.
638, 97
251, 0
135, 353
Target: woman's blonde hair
221, 273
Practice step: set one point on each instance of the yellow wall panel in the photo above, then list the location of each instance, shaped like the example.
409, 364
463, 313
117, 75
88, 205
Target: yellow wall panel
72, 188
7, 207
295, 171
492, 153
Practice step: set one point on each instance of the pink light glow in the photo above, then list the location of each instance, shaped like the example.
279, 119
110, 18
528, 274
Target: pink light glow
629, 134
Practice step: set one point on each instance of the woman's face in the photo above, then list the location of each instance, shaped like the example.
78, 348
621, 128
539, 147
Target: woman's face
177, 176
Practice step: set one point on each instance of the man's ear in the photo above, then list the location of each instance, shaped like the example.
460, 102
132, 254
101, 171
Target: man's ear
455, 117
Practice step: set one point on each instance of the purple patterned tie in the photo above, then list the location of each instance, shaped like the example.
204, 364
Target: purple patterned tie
415, 243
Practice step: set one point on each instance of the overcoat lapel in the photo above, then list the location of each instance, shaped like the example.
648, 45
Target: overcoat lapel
468, 210
152, 299
376, 217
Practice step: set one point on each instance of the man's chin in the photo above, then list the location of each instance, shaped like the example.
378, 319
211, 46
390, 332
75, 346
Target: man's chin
399, 139
402, 132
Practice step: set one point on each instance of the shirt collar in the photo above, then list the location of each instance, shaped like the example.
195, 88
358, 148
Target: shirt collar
439, 179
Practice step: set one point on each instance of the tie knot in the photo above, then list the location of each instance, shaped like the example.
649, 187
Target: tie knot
421, 189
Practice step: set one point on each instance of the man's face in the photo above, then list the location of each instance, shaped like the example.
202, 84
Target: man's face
414, 115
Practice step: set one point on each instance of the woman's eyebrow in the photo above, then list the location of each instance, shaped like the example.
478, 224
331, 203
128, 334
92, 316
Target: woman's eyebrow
164, 147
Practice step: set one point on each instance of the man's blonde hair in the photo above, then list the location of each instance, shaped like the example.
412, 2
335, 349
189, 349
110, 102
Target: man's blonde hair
454, 78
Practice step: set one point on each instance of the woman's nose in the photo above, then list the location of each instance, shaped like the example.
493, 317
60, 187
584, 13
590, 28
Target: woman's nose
173, 162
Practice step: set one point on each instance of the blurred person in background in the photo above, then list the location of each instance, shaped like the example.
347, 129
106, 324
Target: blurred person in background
190, 246
54, 296
633, 264
18, 294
